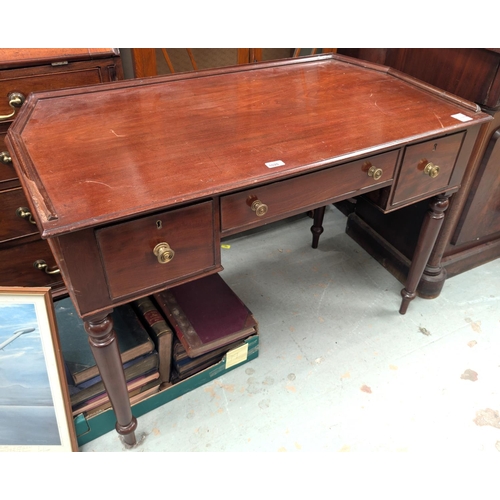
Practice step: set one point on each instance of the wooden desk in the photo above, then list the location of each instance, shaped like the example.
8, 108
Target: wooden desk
133, 185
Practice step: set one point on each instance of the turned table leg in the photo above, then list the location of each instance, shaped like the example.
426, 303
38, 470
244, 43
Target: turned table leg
317, 227
104, 346
428, 235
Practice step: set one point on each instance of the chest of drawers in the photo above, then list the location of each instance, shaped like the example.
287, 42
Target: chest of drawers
25, 259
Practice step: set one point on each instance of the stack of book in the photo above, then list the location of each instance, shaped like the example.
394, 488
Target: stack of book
208, 320
140, 358
163, 339
184, 366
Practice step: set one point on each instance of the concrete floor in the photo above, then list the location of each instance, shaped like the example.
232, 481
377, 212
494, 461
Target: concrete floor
339, 369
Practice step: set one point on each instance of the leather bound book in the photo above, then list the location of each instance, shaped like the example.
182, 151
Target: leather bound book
206, 314
184, 366
133, 339
134, 387
161, 333
135, 396
137, 367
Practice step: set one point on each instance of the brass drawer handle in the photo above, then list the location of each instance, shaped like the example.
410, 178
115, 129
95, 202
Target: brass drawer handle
5, 157
431, 170
375, 172
16, 100
259, 208
43, 266
24, 213
163, 252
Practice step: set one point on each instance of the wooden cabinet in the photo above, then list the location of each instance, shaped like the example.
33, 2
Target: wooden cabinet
150, 61
471, 233
25, 259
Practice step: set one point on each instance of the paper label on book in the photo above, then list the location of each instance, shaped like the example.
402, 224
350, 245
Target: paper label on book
274, 164
236, 356
461, 117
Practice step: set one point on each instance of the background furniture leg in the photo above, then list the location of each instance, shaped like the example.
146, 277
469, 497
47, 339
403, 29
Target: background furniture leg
104, 346
428, 235
317, 227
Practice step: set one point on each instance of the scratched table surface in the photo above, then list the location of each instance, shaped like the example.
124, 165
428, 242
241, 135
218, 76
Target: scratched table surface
142, 145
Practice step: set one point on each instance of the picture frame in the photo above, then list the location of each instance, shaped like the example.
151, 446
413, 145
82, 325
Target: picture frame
35, 408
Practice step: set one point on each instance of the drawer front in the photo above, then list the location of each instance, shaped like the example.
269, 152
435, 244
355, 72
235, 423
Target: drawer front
127, 249
12, 225
44, 81
8, 176
417, 181
17, 269
298, 194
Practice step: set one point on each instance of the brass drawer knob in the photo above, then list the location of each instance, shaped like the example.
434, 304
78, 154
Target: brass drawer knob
375, 172
163, 252
431, 170
16, 100
259, 208
5, 157
43, 266
24, 213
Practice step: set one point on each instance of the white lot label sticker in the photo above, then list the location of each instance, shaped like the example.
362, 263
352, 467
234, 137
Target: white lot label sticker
462, 117
274, 164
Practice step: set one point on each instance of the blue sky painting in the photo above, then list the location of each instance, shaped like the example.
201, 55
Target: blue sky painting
23, 373
26, 404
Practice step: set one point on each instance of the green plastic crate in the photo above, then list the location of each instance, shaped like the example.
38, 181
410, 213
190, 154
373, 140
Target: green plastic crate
89, 429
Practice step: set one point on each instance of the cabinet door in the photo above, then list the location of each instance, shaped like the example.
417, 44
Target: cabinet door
480, 217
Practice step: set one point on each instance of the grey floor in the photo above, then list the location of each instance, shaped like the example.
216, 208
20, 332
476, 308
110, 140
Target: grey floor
339, 369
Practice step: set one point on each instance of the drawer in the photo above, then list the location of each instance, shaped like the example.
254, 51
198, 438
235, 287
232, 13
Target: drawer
417, 181
8, 176
292, 196
127, 249
50, 80
17, 269
12, 225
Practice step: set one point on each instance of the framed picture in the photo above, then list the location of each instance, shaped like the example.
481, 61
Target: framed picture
35, 409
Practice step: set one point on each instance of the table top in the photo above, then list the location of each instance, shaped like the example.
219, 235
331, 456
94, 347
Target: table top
97, 154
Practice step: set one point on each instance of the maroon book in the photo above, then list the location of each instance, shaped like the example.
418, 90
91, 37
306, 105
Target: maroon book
206, 314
